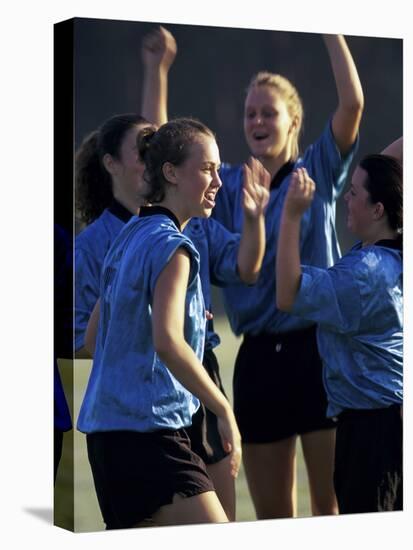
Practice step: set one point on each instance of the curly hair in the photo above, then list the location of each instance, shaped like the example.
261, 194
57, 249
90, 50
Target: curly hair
92, 181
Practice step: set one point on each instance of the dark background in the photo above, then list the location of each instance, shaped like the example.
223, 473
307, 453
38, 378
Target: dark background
212, 70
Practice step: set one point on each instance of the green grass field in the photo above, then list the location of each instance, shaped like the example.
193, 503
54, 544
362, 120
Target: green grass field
83, 500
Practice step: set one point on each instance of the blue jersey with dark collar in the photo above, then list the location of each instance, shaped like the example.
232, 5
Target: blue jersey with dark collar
252, 309
217, 247
358, 305
130, 388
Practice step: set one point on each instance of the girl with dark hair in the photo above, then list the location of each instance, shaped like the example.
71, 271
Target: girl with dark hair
358, 306
147, 377
278, 391
225, 258
108, 176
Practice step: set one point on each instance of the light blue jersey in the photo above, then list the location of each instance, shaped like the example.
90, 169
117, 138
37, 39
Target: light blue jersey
358, 305
217, 247
251, 309
129, 387
91, 246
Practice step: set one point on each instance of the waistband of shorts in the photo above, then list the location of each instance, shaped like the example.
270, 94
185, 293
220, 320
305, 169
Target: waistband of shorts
281, 336
348, 414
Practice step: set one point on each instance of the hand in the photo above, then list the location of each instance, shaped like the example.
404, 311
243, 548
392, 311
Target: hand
159, 49
231, 440
209, 316
300, 193
256, 188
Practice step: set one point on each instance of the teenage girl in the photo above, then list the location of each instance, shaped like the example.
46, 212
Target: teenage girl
278, 390
358, 306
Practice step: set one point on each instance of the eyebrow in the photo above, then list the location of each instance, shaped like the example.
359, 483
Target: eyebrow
210, 164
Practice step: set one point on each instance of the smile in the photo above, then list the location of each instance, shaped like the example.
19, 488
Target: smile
210, 199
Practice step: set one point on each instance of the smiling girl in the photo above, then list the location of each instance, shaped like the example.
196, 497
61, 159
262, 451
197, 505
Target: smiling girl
358, 306
147, 378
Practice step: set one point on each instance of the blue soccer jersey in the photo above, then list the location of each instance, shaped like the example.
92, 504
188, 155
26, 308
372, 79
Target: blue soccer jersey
251, 309
130, 388
358, 305
217, 247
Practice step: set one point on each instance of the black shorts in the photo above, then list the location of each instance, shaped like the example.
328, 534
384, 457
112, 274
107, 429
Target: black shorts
368, 469
204, 435
137, 473
278, 387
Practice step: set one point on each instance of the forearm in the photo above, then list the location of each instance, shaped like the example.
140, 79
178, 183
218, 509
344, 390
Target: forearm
155, 95
349, 90
251, 249
347, 117
181, 360
288, 263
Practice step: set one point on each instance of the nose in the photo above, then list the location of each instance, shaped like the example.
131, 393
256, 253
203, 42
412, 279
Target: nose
217, 180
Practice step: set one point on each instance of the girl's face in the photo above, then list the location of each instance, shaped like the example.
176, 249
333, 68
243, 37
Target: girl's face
360, 208
128, 166
197, 179
268, 125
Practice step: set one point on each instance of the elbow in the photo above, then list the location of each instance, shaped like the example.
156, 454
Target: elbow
164, 345
284, 303
354, 108
249, 277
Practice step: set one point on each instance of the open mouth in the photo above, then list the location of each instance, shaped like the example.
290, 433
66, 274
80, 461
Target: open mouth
260, 136
209, 198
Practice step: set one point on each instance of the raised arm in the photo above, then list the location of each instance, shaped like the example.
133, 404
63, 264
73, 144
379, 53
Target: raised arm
288, 264
168, 317
252, 244
346, 119
158, 54
395, 149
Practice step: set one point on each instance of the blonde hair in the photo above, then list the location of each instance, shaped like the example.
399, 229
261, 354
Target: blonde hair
289, 94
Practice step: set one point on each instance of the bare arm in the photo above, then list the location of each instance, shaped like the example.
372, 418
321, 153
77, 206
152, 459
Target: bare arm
92, 330
395, 149
252, 244
288, 263
158, 54
346, 119
168, 316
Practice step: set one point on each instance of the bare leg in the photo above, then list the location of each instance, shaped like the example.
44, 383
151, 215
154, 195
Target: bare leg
224, 485
318, 451
203, 508
271, 474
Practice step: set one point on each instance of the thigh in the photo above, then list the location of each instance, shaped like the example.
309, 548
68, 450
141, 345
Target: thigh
271, 475
224, 483
202, 508
318, 450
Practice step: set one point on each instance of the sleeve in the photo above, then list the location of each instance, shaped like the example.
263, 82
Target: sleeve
163, 248
87, 281
327, 166
331, 297
223, 253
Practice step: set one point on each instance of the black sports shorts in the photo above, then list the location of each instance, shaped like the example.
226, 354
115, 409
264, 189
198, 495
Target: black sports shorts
137, 473
204, 435
368, 466
278, 387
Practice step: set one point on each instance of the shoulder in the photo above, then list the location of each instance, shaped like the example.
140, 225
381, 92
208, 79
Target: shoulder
99, 232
